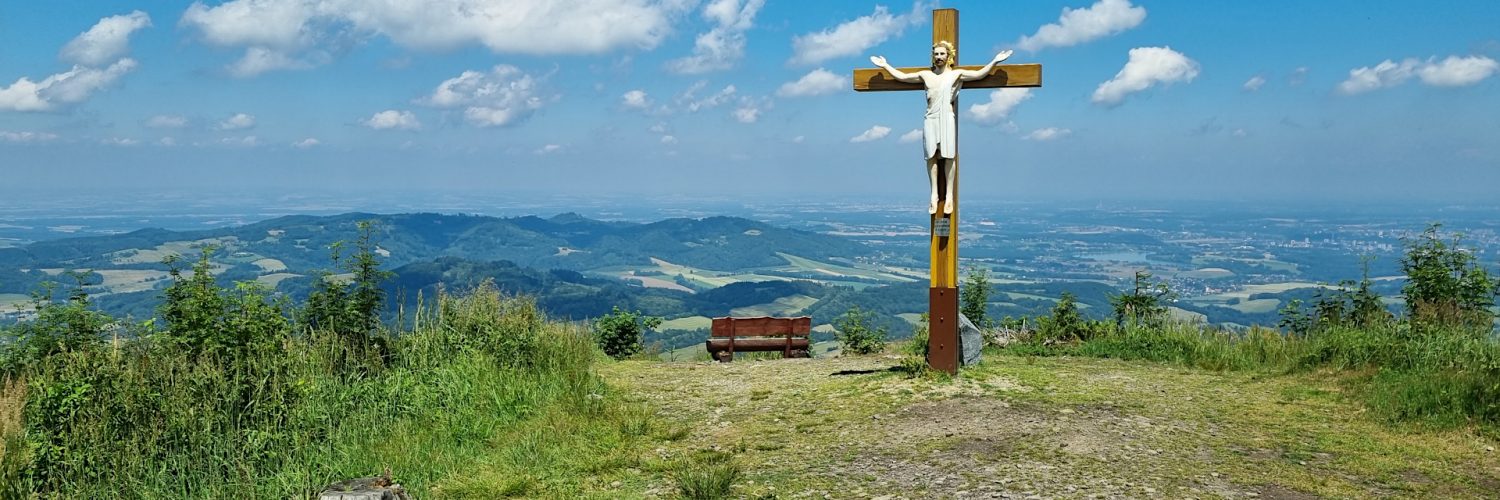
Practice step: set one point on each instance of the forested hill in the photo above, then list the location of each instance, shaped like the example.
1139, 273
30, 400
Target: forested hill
125, 271
566, 241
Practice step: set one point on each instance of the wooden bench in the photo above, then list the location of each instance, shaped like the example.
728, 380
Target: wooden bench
764, 334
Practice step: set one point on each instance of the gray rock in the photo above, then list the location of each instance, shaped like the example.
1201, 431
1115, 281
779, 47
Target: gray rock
970, 341
380, 487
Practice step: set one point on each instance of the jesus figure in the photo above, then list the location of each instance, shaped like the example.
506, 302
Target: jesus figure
940, 127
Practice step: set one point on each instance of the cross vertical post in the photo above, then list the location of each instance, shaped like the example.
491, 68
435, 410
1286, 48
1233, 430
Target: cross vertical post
942, 296
943, 314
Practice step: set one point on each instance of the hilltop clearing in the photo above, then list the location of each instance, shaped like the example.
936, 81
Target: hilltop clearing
1054, 427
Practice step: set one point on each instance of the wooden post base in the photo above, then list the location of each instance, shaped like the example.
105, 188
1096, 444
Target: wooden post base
942, 329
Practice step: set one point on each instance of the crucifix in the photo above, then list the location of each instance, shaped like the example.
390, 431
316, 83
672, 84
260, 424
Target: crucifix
941, 81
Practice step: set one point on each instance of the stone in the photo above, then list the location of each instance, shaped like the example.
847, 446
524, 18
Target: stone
380, 487
970, 341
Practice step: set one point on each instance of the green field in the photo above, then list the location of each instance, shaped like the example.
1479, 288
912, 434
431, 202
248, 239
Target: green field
687, 323
14, 302
800, 264
785, 306
1256, 306
1207, 273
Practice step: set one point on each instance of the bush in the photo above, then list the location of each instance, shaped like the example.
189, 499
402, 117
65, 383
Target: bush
619, 333
856, 336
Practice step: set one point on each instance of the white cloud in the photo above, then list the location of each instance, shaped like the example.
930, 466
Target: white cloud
248, 141
722, 96
306, 143
1075, 26
747, 113
855, 36
1147, 67
668, 139
106, 41
293, 28
1457, 71
1254, 83
1002, 102
874, 133
259, 60
1047, 134
799, 139
392, 119
167, 121
719, 48
817, 82
504, 96
548, 149
25, 136
1453, 71
635, 99
659, 128
914, 136
1298, 77
72, 86
1386, 74
119, 141
239, 121
1239, 132
167, 141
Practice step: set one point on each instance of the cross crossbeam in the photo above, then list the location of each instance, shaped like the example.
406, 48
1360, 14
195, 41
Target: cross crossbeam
1004, 75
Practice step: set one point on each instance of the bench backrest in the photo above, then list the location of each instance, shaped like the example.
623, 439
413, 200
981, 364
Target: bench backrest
762, 327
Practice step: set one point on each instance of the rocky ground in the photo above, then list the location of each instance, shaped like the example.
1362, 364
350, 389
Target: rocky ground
1020, 427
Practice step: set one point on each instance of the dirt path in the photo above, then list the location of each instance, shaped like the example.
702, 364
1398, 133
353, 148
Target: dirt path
1041, 428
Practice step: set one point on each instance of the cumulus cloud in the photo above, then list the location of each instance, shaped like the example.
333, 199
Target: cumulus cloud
1453, 71
1254, 83
167, 121
874, 133
26, 136
306, 143
300, 30
913, 136
1002, 102
1076, 26
1457, 71
259, 60
1047, 134
548, 149
855, 36
503, 96
1386, 74
68, 87
635, 99
392, 119
239, 121
712, 101
248, 141
747, 113
120, 141
106, 41
723, 45
818, 82
1147, 67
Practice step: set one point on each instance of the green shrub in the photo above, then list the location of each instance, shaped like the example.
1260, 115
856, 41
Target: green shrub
856, 336
708, 475
619, 333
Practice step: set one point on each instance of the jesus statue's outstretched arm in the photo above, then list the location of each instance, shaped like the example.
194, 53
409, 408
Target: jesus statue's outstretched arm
899, 75
971, 75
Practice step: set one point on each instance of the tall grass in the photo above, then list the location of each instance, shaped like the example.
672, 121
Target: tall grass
481, 378
1405, 371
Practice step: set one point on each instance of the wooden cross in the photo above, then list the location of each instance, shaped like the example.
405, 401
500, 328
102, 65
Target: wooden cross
942, 341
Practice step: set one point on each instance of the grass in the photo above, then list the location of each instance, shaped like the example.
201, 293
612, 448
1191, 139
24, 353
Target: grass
483, 397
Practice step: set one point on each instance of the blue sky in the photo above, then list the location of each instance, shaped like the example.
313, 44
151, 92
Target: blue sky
1269, 100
